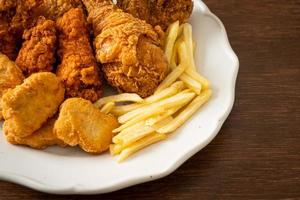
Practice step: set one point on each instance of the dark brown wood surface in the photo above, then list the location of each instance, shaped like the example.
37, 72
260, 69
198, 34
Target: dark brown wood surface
257, 152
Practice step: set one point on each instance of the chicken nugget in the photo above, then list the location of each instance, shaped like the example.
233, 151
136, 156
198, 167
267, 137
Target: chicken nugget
81, 123
10, 76
40, 139
29, 105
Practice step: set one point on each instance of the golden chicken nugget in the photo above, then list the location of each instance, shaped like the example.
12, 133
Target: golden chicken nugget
40, 139
10, 76
81, 123
29, 105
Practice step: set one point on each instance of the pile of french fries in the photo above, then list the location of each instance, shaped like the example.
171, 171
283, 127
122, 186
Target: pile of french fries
178, 97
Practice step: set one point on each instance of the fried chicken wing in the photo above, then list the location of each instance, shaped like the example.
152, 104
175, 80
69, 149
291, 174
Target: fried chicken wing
128, 48
10, 76
78, 69
158, 12
28, 106
38, 50
40, 139
81, 123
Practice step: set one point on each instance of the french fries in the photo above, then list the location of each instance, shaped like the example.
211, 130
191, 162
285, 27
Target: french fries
188, 38
138, 145
125, 97
177, 98
177, 71
170, 39
186, 113
107, 107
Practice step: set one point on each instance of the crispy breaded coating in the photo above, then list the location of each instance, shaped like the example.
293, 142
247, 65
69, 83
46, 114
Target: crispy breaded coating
78, 69
38, 50
81, 123
128, 48
40, 139
10, 76
7, 4
8, 39
29, 105
28, 11
158, 12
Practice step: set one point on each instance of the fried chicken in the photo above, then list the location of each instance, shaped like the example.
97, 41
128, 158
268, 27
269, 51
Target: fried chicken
81, 123
28, 11
29, 105
10, 76
8, 39
38, 50
7, 4
158, 12
40, 139
78, 69
128, 48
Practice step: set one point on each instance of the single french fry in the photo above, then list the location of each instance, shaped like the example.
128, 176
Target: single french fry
170, 40
125, 97
188, 38
175, 54
115, 149
170, 102
107, 107
177, 71
186, 113
180, 30
138, 145
191, 83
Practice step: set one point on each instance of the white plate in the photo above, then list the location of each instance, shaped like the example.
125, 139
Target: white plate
71, 171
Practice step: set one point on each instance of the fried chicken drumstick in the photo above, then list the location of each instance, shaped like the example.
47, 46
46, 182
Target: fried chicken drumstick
127, 47
78, 69
38, 51
158, 12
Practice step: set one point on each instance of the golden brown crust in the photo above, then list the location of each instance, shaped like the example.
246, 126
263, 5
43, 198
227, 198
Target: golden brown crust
28, 11
81, 123
38, 50
128, 48
10, 76
29, 105
78, 69
8, 39
7, 4
158, 12
40, 139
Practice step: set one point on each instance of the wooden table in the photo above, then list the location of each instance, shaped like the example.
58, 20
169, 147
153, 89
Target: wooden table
257, 153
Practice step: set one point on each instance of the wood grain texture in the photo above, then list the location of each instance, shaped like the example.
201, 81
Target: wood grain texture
257, 153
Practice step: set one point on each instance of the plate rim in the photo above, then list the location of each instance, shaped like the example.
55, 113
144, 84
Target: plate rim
77, 189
